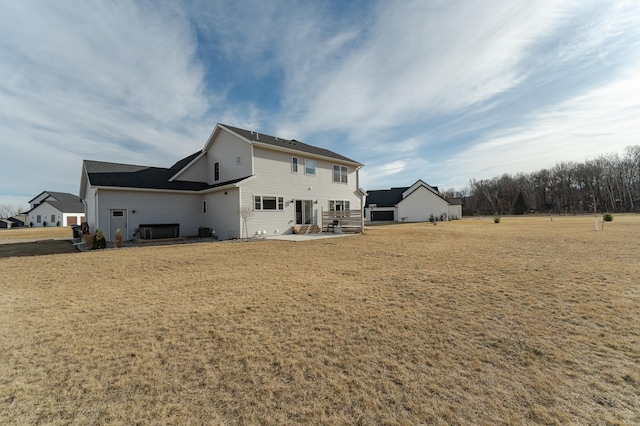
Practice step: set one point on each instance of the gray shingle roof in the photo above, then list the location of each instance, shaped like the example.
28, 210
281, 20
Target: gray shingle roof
385, 197
132, 176
288, 144
64, 197
67, 206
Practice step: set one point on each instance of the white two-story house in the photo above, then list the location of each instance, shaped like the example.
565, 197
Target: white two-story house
241, 184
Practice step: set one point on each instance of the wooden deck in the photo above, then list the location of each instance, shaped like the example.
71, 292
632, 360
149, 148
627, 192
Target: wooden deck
344, 220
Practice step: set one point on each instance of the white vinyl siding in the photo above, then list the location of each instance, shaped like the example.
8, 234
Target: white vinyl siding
420, 204
151, 207
273, 176
225, 150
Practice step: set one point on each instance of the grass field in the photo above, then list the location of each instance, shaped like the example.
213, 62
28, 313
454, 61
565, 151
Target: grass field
529, 321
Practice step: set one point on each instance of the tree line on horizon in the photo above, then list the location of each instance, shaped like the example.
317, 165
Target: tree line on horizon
610, 183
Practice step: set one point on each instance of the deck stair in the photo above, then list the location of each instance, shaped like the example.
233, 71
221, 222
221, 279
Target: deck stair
307, 229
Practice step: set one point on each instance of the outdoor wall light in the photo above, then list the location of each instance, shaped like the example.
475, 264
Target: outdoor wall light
225, 192
133, 211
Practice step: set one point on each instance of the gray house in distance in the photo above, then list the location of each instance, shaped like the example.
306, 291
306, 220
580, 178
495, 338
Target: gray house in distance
415, 203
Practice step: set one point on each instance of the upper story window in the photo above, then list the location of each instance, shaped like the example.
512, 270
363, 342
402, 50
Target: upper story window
309, 167
238, 159
216, 171
294, 164
339, 174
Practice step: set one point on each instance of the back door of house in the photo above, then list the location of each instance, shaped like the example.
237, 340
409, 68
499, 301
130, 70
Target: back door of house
304, 212
118, 220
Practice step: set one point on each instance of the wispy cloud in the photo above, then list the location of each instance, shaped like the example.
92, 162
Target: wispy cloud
442, 91
599, 122
415, 63
114, 81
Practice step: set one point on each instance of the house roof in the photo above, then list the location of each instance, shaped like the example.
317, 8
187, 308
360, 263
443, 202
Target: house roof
15, 221
62, 201
105, 174
391, 197
455, 201
133, 176
68, 207
59, 196
385, 197
290, 144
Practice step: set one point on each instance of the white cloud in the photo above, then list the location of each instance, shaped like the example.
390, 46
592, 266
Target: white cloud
599, 122
109, 81
416, 62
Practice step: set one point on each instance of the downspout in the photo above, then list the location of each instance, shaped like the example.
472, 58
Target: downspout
84, 203
361, 202
240, 209
95, 202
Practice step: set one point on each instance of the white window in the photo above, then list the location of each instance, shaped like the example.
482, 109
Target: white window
294, 164
338, 205
267, 202
216, 171
309, 167
339, 174
53, 218
238, 160
39, 219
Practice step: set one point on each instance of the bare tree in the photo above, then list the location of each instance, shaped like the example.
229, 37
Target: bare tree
607, 183
8, 210
245, 213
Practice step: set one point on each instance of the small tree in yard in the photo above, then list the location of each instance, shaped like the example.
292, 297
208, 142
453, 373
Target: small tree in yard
607, 217
520, 205
245, 213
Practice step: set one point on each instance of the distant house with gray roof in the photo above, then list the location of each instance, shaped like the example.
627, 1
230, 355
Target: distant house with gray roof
51, 208
241, 184
415, 203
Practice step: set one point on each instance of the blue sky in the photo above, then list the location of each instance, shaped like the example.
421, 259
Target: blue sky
443, 91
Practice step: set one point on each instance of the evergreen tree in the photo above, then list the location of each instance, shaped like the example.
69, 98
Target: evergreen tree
520, 206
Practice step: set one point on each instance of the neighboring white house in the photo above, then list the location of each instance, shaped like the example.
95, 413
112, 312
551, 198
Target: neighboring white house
415, 203
55, 209
274, 183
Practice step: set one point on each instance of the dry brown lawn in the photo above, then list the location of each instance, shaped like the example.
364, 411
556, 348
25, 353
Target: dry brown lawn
42, 241
524, 322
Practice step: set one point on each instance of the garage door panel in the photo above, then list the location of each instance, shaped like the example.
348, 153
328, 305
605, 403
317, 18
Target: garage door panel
382, 215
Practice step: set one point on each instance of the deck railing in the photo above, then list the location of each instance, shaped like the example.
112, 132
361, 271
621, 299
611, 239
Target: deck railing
346, 220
